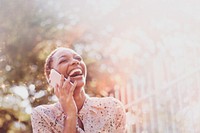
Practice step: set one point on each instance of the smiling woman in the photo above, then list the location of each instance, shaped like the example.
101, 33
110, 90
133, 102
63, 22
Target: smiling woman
75, 111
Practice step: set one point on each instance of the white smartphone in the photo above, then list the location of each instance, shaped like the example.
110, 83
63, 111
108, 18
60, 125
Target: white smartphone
54, 78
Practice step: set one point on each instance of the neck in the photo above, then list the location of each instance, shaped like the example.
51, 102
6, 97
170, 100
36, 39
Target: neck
80, 99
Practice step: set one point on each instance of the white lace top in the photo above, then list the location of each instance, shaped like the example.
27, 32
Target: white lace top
98, 115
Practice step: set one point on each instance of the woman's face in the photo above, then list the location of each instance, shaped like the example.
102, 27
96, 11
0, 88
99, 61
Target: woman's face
70, 64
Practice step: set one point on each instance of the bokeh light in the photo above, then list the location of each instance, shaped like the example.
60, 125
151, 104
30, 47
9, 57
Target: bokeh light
144, 53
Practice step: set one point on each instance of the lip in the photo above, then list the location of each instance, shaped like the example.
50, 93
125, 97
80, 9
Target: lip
80, 77
74, 69
77, 77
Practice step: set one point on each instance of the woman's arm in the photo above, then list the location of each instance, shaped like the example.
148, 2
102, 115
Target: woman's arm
70, 124
64, 92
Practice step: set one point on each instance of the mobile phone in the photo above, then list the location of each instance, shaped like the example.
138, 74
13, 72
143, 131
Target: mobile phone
54, 78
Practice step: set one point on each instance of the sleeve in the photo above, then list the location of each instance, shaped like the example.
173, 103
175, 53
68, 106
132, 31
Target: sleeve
120, 118
39, 125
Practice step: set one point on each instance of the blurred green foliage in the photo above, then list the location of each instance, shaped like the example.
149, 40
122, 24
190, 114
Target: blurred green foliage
29, 30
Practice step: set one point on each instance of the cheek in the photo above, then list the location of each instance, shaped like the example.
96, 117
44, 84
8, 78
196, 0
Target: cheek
61, 69
85, 70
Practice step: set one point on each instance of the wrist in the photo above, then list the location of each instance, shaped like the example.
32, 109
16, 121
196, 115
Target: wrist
70, 116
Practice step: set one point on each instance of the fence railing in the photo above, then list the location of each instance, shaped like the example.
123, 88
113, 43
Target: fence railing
164, 110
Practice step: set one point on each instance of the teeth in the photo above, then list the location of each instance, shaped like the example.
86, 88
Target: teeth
74, 71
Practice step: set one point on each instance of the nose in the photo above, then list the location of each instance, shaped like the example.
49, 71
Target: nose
75, 62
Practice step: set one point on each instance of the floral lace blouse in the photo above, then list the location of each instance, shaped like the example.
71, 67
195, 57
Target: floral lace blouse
98, 115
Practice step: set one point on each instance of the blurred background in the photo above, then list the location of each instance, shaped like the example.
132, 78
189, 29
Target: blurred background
144, 53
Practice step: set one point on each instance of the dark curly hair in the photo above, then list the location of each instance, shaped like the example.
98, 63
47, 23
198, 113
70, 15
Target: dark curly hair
48, 63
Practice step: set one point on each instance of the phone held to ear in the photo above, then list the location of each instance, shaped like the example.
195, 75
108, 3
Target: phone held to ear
54, 78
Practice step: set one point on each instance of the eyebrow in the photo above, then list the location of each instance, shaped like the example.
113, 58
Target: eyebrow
66, 55
62, 56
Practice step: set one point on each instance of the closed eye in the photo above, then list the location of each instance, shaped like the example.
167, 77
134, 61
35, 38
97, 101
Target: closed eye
78, 58
62, 61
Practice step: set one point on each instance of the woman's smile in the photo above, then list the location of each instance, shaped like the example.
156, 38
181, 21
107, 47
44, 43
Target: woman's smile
75, 72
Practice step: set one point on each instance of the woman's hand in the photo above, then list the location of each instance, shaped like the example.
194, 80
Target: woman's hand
64, 91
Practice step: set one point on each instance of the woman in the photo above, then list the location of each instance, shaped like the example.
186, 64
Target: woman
75, 111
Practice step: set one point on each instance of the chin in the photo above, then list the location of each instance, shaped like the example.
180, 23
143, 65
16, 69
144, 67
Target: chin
80, 84
79, 87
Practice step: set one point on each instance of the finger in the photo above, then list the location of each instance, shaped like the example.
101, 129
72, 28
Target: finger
68, 79
56, 91
73, 88
61, 81
66, 86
